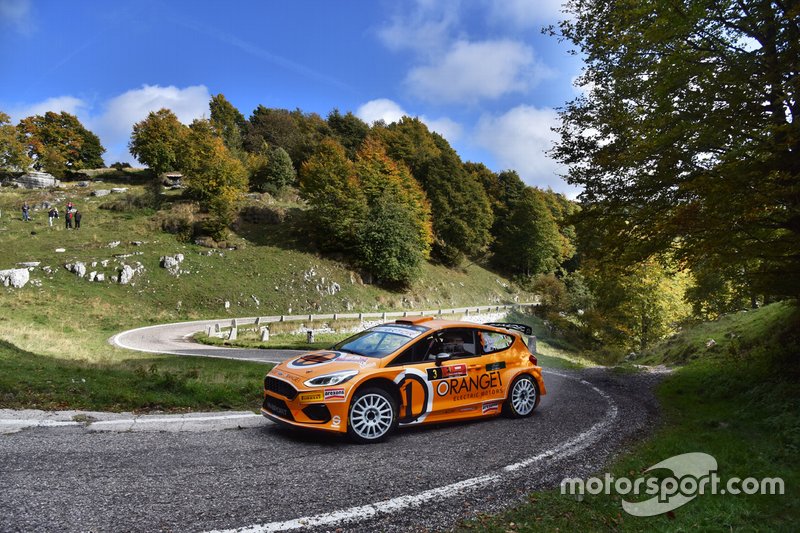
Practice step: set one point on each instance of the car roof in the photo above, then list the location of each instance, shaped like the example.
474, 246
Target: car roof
440, 323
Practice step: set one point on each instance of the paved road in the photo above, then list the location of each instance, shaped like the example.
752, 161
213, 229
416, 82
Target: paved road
266, 478
176, 339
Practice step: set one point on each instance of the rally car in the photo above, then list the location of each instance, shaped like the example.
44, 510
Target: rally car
412, 371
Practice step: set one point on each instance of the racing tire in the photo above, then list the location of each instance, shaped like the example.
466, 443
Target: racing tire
523, 397
372, 415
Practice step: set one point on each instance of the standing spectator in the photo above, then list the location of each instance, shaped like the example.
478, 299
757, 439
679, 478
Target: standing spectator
52, 215
77, 219
25, 210
68, 218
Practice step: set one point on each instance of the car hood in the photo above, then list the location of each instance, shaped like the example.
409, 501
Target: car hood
317, 363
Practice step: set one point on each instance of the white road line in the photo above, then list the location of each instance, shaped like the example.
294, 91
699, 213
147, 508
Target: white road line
400, 503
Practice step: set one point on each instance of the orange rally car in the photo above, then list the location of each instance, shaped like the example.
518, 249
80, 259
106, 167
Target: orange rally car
412, 371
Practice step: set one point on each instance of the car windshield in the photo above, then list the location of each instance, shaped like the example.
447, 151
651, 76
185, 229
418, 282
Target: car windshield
381, 340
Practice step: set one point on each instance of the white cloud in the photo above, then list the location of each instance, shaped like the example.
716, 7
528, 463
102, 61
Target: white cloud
525, 13
425, 28
471, 71
114, 121
390, 111
16, 13
381, 109
518, 140
447, 128
57, 104
123, 111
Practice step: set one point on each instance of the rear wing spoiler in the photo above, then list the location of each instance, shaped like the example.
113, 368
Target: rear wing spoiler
529, 339
522, 328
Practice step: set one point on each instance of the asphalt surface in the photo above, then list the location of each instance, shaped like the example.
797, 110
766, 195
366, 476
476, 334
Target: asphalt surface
266, 478
176, 339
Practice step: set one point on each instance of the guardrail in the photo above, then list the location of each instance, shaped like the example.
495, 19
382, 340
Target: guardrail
235, 323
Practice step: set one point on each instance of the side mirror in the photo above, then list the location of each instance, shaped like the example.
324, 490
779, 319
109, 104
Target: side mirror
441, 357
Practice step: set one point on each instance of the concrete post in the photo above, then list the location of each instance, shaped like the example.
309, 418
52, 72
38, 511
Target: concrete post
309, 336
232, 334
532, 344
265, 334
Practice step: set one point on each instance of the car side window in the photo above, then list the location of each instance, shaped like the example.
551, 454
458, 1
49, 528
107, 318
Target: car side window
458, 343
417, 353
492, 341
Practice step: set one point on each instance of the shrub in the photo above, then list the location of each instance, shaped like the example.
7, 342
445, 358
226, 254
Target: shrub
129, 202
258, 214
180, 220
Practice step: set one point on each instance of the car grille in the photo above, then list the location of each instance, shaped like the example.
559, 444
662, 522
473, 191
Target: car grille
278, 407
280, 387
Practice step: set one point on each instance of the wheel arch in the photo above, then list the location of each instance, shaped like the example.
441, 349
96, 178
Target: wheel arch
384, 383
535, 376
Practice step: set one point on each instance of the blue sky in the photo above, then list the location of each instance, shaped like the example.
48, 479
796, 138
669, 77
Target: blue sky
477, 71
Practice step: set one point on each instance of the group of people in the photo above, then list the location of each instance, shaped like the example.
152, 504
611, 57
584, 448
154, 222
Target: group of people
72, 218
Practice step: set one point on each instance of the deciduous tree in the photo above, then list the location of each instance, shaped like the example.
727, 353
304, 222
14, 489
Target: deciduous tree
156, 141
529, 243
371, 209
58, 143
462, 215
228, 121
687, 139
211, 174
13, 155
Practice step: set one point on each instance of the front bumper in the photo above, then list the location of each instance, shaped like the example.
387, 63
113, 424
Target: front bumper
328, 416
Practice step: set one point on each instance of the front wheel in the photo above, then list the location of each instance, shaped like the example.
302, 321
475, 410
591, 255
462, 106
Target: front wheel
372, 416
523, 397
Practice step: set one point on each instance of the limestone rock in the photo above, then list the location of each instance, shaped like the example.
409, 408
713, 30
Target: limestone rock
14, 277
77, 268
37, 180
172, 263
127, 273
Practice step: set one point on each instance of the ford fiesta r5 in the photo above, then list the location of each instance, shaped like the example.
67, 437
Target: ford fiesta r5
412, 371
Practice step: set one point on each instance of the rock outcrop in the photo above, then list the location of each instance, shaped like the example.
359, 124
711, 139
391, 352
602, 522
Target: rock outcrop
14, 277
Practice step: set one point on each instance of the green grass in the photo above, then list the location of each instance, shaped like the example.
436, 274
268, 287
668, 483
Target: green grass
33, 381
741, 406
271, 271
284, 341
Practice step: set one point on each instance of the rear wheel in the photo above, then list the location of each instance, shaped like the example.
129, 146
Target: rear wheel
372, 415
523, 397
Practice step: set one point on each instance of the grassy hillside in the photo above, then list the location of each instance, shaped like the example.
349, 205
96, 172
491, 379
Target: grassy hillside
737, 399
55, 329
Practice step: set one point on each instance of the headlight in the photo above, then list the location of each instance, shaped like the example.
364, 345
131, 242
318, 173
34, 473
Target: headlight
328, 380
